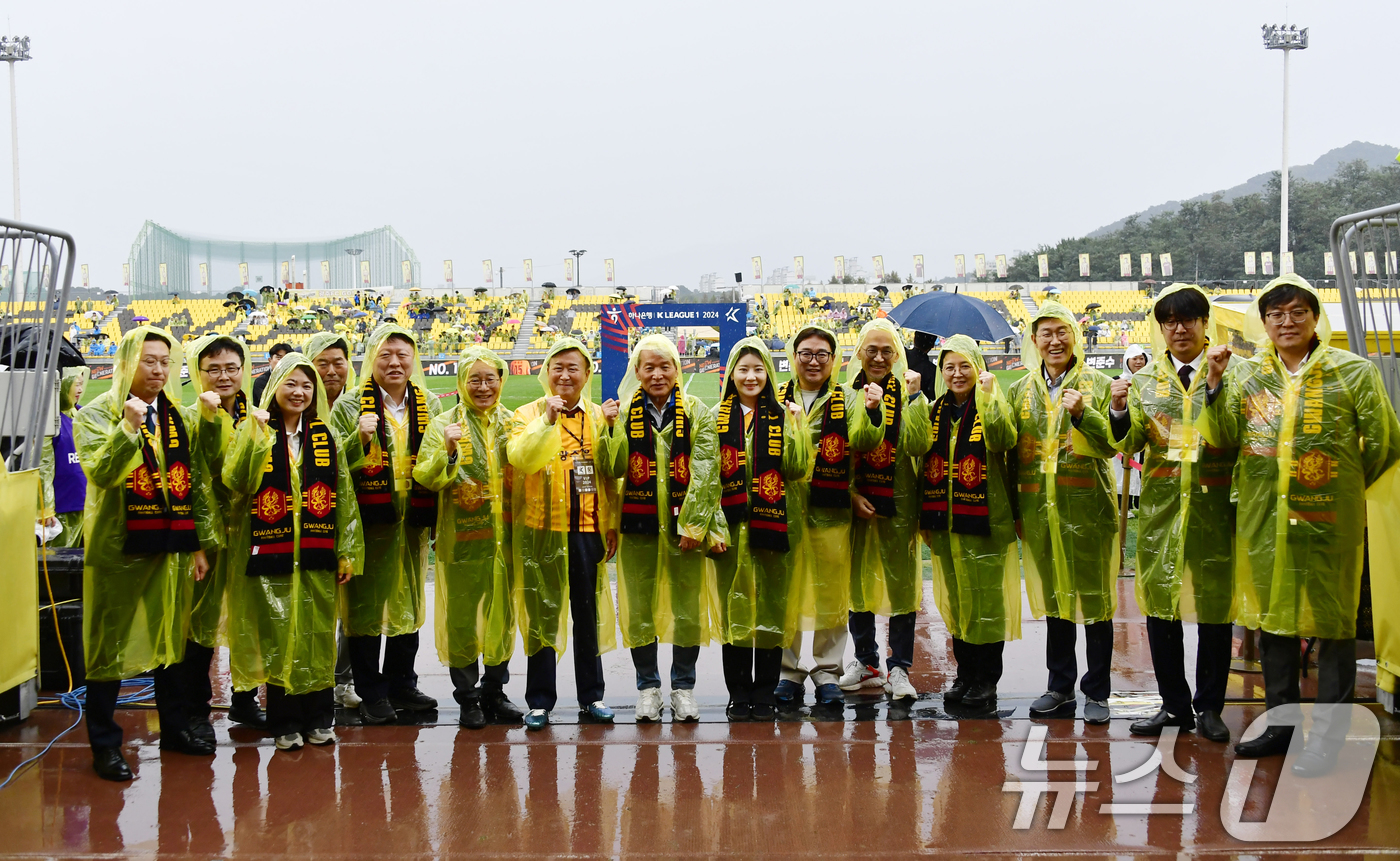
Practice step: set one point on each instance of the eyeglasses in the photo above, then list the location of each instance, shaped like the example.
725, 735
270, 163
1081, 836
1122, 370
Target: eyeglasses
483, 382
821, 357
1174, 323
879, 352
1297, 315
217, 371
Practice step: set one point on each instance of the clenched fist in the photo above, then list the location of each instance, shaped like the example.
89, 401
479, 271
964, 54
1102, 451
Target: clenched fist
873, 395
987, 380
553, 406
134, 410
913, 382
262, 416
450, 437
610, 410
1119, 388
1219, 359
1073, 401
210, 400
369, 423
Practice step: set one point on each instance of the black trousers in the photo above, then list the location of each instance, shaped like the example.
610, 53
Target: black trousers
101, 706
1060, 659
978, 662
541, 689
291, 713
1166, 639
464, 688
198, 687
343, 673
1282, 658
751, 674
862, 627
399, 654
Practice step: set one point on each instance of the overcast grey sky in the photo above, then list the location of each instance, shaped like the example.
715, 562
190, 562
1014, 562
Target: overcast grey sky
678, 139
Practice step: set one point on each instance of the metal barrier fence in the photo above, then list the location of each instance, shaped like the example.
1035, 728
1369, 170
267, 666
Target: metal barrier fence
1365, 247
36, 273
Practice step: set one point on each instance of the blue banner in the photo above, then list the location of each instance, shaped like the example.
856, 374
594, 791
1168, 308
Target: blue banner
614, 320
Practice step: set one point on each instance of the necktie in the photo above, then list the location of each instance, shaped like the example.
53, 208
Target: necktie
151, 418
1184, 374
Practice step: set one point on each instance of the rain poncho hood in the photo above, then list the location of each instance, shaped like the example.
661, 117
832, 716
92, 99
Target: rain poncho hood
977, 578
886, 571
192, 353
321, 341
812, 329
663, 592
66, 402
1254, 331
377, 338
1186, 525
474, 578
1065, 497
563, 345
136, 608
281, 629
1136, 350
1315, 448
1215, 333
753, 584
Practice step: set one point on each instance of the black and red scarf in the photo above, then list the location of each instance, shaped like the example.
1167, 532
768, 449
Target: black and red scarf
273, 518
156, 521
374, 485
761, 501
831, 474
640, 494
875, 468
965, 479
240, 408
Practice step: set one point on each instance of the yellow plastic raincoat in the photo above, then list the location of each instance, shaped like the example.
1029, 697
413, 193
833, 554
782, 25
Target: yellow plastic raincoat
474, 578
887, 570
136, 608
1310, 445
540, 500
977, 578
208, 619
820, 596
319, 342
281, 629
1186, 525
388, 596
664, 593
754, 584
1066, 493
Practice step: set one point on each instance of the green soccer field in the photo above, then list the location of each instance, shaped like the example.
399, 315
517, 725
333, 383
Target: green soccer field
521, 390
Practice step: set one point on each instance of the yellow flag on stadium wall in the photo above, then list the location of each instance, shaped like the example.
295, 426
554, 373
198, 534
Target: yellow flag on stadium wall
879, 263
568, 269
529, 272
1147, 265
960, 265
203, 275
919, 266
1166, 265
1285, 263
164, 279
1249, 268
840, 268
326, 272
1125, 265
608, 270
364, 272
126, 274
1001, 266
798, 269
488, 271
407, 269
1042, 262
758, 270
242, 274
1266, 260
1083, 266
85, 275
980, 265
286, 271
1329, 265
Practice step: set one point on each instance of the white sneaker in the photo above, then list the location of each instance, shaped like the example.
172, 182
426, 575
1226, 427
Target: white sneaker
321, 736
898, 685
649, 705
345, 697
683, 707
289, 742
859, 676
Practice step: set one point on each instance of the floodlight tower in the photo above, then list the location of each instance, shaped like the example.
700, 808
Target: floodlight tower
1285, 38
355, 266
578, 265
14, 49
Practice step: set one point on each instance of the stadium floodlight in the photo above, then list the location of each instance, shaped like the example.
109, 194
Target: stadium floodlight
578, 265
1285, 38
355, 255
14, 49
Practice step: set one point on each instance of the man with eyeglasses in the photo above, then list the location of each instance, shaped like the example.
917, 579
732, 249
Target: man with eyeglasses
820, 600
1186, 529
1315, 431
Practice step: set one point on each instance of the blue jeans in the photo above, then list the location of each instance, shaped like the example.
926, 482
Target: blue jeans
683, 660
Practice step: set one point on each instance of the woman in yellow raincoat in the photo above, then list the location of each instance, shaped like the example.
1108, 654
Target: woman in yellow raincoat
147, 523
218, 364
820, 599
1186, 526
667, 454
464, 459
886, 571
1315, 430
763, 446
564, 516
382, 426
968, 522
297, 535
1065, 504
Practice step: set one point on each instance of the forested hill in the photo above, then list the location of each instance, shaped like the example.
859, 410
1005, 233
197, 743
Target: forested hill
1207, 239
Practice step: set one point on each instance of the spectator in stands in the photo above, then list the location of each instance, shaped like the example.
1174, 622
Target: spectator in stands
274, 355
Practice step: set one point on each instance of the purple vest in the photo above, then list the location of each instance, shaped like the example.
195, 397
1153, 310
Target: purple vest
69, 483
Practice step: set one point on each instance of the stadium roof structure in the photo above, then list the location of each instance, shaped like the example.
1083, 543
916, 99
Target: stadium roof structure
201, 264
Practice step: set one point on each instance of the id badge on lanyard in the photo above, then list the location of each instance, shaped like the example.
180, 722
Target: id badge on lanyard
1181, 446
581, 462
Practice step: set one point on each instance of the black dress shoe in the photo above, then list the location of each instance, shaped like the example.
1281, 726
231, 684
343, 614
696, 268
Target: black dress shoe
762, 712
247, 713
183, 741
1210, 727
497, 706
1160, 721
1274, 742
202, 728
109, 764
412, 700
377, 712
978, 696
737, 712
956, 693
472, 716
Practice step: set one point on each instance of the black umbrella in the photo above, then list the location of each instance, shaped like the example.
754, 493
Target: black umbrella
234, 294
1091, 306
548, 285
20, 347
883, 290
948, 314
478, 291
574, 291
229, 303
267, 288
